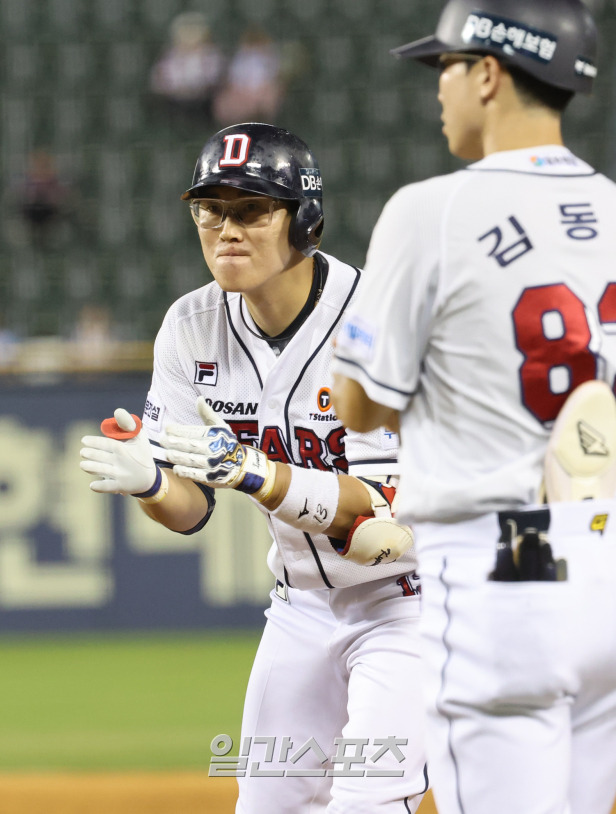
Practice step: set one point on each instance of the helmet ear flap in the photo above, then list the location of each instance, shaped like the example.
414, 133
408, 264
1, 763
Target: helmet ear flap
307, 226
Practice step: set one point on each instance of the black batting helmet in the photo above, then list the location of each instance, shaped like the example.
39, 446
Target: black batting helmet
270, 161
553, 40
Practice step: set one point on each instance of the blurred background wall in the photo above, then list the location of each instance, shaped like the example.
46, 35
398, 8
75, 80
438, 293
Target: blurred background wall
105, 105
81, 100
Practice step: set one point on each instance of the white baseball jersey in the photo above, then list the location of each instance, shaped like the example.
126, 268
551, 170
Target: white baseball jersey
208, 345
488, 295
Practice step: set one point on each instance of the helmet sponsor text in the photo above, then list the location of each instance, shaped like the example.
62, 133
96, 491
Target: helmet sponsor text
311, 180
510, 36
584, 67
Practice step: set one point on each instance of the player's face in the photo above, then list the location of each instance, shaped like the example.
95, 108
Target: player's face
462, 114
243, 258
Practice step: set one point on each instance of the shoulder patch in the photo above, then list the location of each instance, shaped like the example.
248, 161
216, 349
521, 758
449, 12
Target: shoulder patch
359, 335
153, 413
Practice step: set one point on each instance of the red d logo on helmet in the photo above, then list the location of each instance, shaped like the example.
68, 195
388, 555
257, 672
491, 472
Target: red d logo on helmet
236, 150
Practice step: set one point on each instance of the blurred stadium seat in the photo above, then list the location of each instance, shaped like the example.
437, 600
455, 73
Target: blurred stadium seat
75, 81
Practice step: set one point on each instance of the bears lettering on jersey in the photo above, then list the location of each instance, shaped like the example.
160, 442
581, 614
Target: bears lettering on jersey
314, 452
335, 443
272, 443
247, 432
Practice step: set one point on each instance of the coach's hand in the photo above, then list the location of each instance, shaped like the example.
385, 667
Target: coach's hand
124, 467
211, 453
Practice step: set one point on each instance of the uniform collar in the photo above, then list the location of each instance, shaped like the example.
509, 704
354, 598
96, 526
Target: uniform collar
549, 159
279, 343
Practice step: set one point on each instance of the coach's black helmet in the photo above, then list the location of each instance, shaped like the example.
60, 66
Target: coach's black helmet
553, 40
270, 161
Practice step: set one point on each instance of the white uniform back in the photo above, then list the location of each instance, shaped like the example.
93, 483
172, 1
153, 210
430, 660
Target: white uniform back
495, 279
208, 345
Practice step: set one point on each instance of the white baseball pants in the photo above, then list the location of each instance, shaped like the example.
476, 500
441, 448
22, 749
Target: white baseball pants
521, 676
339, 663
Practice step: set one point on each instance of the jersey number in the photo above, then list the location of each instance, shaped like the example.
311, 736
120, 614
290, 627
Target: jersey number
564, 349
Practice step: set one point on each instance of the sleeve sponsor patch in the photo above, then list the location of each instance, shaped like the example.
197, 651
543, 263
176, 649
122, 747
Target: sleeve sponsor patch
390, 439
357, 336
153, 413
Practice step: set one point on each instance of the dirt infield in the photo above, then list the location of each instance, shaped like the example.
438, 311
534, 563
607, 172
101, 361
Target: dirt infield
161, 793
131, 793
118, 793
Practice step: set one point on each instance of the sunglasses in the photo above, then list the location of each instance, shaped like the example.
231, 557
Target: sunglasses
252, 213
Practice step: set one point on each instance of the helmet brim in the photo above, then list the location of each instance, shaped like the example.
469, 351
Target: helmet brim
426, 50
258, 185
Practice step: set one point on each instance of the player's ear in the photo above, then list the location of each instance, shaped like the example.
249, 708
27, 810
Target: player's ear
490, 73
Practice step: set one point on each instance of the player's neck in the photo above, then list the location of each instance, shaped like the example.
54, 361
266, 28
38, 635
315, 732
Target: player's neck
275, 305
534, 127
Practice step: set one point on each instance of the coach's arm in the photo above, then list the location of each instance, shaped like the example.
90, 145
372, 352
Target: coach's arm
357, 411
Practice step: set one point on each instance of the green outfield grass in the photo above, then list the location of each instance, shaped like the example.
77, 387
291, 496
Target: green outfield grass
120, 702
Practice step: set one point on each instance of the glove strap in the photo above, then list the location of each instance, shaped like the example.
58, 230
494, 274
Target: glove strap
159, 488
256, 476
268, 484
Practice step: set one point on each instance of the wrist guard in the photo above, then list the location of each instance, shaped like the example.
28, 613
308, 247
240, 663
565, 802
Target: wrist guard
379, 539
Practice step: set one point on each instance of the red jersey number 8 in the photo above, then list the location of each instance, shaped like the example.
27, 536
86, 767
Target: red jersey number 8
568, 348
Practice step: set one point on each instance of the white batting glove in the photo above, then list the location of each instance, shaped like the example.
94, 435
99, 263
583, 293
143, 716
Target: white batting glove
210, 453
124, 467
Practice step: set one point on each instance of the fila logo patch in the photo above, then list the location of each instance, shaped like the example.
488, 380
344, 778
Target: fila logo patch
236, 150
206, 373
591, 441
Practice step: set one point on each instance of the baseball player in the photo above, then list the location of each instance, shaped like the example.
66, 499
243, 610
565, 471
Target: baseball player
239, 399
487, 301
